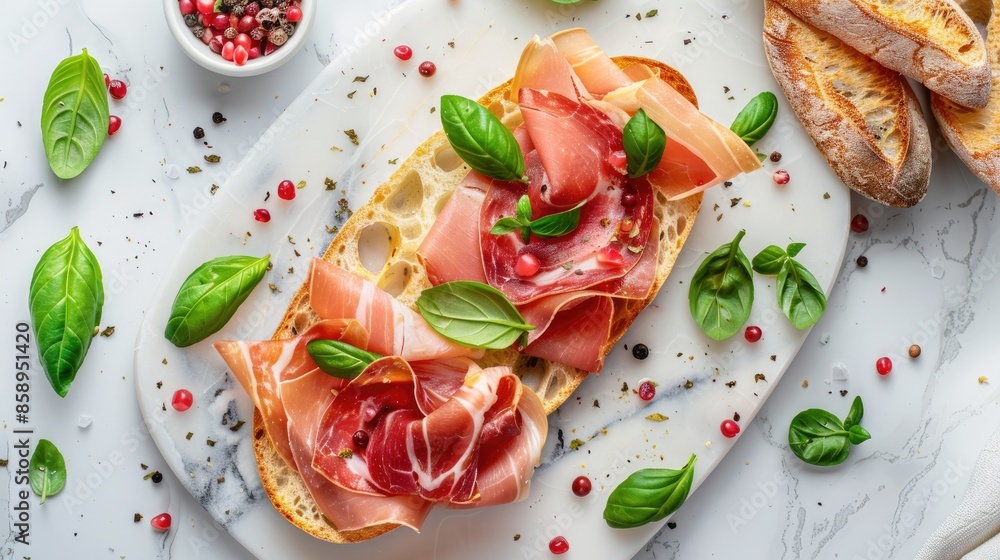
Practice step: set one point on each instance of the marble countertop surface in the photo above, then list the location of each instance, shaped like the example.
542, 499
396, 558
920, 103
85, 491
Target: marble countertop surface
931, 280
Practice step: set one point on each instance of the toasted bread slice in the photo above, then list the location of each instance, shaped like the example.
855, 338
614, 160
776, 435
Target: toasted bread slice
864, 118
406, 207
974, 134
932, 41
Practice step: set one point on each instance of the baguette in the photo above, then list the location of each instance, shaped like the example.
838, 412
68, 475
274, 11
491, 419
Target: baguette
932, 41
978, 10
974, 134
864, 118
406, 205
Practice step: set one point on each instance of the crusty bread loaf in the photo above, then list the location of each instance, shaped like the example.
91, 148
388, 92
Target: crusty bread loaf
863, 117
406, 207
932, 41
974, 134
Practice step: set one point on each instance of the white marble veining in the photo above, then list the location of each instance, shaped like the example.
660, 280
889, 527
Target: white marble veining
936, 263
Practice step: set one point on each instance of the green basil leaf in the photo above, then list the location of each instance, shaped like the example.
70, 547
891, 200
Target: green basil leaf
721, 291
818, 438
858, 435
558, 224
210, 296
472, 314
855, 414
753, 122
649, 495
65, 300
523, 212
74, 115
340, 359
481, 140
799, 295
505, 225
46, 470
794, 249
644, 142
769, 261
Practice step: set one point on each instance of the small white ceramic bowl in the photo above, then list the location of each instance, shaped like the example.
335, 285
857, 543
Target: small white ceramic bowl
200, 53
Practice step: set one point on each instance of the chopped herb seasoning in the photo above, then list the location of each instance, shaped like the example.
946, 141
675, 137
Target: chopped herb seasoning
137, 518
826, 196
652, 13
149, 475
108, 331
144, 466
210, 443
576, 444
517, 537
656, 417
300, 185
597, 404
3, 463
345, 453
330, 184
212, 158
194, 169
730, 384
361, 78
843, 392
736, 417
393, 161
189, 435
759, 377
159, 384
353, 136
805, 383
734, 201
624, 387
688, 384
351, 95
213, 189
237, 426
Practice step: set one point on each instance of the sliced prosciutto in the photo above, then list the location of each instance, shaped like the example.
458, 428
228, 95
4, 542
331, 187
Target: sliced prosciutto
575, 143
395, 328
433, 450
606, 245
543, 67
594, 68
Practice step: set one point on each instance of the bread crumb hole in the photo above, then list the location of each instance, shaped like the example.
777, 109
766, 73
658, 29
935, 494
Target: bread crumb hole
376, 244
447, 160
408, 196
395, 280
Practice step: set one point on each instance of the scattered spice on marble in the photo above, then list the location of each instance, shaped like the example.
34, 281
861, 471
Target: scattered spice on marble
582, 486
729, 428
730, 384
199, 132
517, 537
656, 417
108, 331
189, 435
597, 404
157, 477
759, 377
647, 389
352, 136
883, 365
640, 351
914, 351
403, 52
859, 223
688, 384
361, 79
781, 177
262, 215
576, 444
843, 392
182, 400
217, 118
671, 525
775, 156
862, 261
752, 334
983, 379
805, 383
137, 518
194, 169
212, 158
559, 545
160, 522
427, 68
235, 427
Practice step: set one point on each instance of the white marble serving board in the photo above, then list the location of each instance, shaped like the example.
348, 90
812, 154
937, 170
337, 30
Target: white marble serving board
719, 50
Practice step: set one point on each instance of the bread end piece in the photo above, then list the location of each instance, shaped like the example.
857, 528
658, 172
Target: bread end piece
932, 41
974, 134
406, 206
864, 118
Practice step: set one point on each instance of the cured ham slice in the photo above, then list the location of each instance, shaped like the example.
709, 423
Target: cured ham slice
395, 329
595, 69
575, 143
450, 251
543, 67
416, 447
595, 252
571, 329
262, 367
719, 148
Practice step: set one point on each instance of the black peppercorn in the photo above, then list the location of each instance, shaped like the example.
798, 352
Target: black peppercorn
640, 351
199, 132
157, 477
775, 157
217, 118
862, 261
